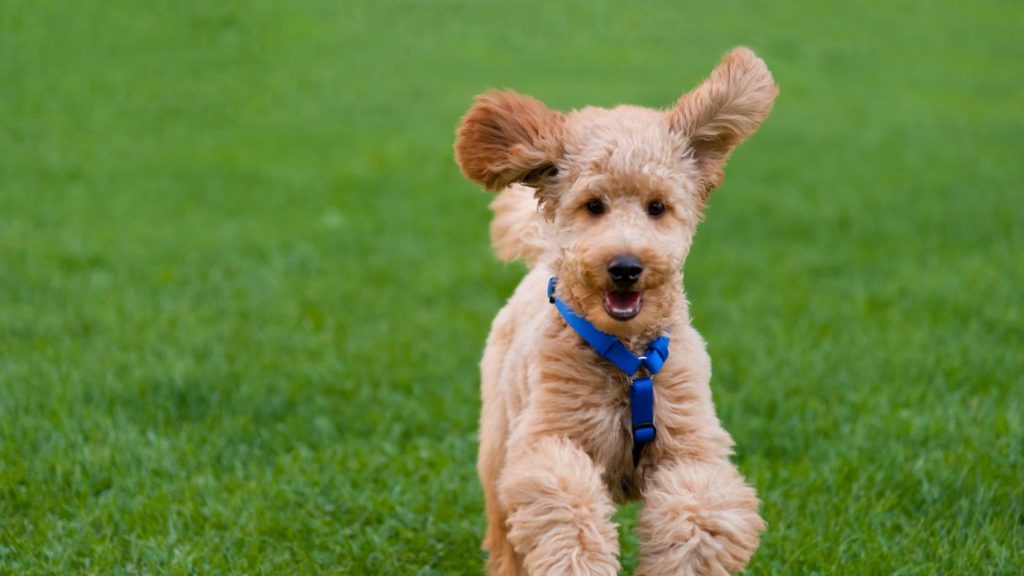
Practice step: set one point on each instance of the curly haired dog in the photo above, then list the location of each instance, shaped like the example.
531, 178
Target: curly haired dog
620, 193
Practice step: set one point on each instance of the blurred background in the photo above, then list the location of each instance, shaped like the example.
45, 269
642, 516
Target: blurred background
244, 289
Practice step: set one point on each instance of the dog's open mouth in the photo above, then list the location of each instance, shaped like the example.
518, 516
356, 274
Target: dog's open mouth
623, 304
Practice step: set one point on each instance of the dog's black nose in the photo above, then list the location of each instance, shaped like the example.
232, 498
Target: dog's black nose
625, 270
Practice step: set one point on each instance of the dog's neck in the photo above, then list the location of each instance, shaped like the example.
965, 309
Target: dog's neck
678, 316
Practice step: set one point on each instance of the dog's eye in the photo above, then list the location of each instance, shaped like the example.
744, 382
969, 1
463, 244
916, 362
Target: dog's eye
655, 208
595, 207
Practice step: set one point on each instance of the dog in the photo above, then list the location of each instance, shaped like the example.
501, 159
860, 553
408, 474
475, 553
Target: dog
602, 205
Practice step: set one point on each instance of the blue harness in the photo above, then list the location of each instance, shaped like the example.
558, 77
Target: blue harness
607, 346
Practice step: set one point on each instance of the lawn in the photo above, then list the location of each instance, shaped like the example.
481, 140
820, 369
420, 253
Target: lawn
244, 289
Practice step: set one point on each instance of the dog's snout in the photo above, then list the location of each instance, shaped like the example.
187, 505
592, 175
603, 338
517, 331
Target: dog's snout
625, 270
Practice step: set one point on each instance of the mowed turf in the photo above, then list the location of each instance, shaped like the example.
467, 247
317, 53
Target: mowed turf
244, 290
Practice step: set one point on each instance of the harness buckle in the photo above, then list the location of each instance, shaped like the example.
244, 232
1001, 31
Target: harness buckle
644, 432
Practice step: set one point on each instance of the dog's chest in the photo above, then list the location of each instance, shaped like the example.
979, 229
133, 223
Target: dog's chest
594, 410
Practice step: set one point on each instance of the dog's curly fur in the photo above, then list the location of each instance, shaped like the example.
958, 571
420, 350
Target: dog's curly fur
555, 440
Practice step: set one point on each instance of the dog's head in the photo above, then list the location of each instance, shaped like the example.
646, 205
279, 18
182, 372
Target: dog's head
623, 187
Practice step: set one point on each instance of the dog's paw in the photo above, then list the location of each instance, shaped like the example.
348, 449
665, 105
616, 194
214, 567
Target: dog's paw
699, 519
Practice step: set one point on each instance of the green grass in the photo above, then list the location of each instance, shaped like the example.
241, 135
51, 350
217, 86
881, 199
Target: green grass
243, 288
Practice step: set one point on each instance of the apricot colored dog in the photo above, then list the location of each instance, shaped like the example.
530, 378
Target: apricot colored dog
608, 202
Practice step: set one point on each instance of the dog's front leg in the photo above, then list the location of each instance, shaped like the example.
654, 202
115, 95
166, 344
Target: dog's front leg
699, 518
559, 511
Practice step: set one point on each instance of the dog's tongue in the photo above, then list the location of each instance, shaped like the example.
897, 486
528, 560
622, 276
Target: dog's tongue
622, 304
623, 300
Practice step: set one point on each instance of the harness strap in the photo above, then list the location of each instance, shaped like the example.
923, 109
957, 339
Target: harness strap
607, 346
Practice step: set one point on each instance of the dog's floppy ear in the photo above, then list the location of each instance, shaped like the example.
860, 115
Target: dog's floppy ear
507, 137
722, 112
